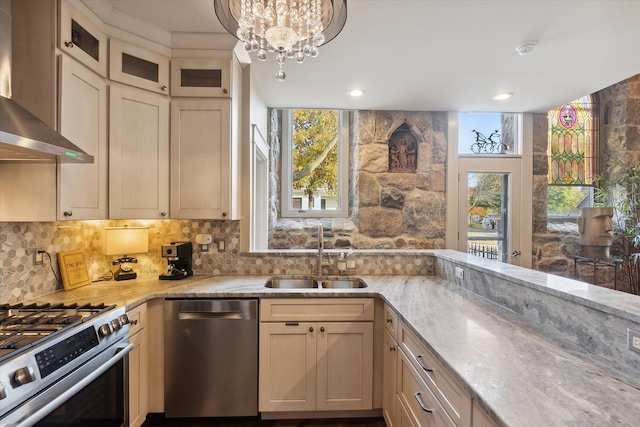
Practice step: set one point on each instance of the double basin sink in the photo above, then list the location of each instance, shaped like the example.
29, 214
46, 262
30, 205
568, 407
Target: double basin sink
312, 282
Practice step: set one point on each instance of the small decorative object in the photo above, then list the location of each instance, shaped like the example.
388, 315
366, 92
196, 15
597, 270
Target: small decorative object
73, 269
403, 150
125, 241
490, 145
596, 231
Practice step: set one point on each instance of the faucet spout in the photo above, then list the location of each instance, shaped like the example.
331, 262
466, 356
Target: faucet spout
320, 255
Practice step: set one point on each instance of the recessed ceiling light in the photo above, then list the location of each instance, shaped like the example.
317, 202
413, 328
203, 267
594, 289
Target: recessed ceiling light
502, 96
356, 92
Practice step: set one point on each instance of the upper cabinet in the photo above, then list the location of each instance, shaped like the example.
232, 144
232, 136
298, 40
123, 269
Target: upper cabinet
138, 154
136, 66
82, 38
203, 160
82, 189
202, 77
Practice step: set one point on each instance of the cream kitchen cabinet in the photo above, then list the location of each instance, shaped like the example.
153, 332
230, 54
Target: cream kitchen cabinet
138, 366
137, 66
389, 375
480, 418
138, 154
82, 188
201, 77
320, 365
204, 160
81, 36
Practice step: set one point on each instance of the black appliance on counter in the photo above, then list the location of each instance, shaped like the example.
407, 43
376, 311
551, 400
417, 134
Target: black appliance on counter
179, 258
61, 363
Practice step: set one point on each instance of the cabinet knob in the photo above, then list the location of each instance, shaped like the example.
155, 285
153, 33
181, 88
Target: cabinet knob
225, 91
224, 214
164, 88
390, 321
68, 44
67, 213
163, 214
322, 329
311, 329
392, 348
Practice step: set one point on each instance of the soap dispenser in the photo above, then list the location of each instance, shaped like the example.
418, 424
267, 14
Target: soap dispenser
351, 262
342, 264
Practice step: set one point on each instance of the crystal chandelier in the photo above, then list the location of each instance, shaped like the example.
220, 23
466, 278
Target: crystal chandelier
292, 29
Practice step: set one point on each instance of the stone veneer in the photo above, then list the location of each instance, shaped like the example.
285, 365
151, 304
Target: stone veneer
619, 139
388, 210
20, 280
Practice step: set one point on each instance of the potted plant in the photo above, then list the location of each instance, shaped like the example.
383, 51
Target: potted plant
620, 189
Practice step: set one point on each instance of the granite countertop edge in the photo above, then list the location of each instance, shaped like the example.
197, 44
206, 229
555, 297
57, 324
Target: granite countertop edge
517, 377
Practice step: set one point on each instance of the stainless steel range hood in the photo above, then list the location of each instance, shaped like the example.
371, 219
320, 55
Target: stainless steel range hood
24, 137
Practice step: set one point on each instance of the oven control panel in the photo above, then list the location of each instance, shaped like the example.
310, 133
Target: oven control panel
65, 351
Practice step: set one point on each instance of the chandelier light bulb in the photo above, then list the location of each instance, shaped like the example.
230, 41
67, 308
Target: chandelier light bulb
292, 29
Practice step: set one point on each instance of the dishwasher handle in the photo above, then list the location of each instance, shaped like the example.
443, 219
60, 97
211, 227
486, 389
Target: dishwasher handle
200, 315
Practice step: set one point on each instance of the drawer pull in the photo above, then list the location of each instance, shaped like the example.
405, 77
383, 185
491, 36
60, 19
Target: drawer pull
421, 403
421, 363
390, 321
291, 324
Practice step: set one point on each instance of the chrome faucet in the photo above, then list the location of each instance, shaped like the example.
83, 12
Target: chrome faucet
320, 255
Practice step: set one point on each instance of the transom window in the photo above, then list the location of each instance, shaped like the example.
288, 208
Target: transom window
489, 133
315, 163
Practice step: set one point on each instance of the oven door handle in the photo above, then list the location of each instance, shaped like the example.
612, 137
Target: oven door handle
121, 351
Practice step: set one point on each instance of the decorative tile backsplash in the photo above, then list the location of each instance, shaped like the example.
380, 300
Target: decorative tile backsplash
20, 280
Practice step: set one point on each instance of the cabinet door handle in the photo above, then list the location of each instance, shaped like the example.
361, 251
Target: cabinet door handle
390, 321
392, 348
163, 214
68, 44
224, 214
322, 329
68, 213
418, 397
311, 329
225, 91
421, 363
164, 88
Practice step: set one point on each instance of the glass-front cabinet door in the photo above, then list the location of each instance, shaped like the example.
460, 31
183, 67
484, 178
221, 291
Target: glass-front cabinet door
82, 38
136, 66
202, 77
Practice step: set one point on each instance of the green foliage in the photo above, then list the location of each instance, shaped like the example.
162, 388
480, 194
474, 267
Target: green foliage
315, 150
620, 189
564, 200
486, 193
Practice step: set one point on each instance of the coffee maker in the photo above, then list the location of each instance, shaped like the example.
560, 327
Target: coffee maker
178, 255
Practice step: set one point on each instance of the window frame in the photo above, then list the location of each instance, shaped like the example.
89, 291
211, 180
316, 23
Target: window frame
286, 208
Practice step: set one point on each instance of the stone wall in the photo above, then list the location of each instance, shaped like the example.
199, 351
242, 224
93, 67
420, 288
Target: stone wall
387, 209
619, 138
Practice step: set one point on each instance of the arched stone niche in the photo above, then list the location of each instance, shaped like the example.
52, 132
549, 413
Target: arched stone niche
403, 150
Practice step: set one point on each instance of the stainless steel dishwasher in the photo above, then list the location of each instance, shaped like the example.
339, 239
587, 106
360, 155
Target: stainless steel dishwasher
211, 358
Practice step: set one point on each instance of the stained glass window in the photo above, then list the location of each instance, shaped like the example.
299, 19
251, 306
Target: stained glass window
572, 145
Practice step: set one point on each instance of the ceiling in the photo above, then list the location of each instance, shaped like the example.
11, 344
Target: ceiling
430, 55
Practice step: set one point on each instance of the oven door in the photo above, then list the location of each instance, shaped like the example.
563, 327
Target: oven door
95, 394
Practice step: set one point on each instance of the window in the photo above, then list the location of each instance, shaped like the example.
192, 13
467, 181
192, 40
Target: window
489, 133
315, 163
572, 157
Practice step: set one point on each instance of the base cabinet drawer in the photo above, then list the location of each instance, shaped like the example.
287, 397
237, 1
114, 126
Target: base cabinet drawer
417, 397
453, 398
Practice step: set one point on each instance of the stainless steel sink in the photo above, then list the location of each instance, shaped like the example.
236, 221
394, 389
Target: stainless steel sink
311, 283
344, 283
291, 283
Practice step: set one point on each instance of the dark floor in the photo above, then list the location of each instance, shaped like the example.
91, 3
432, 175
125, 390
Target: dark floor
251, 422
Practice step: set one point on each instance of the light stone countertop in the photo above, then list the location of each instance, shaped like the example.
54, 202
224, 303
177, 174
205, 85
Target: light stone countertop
517, 377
